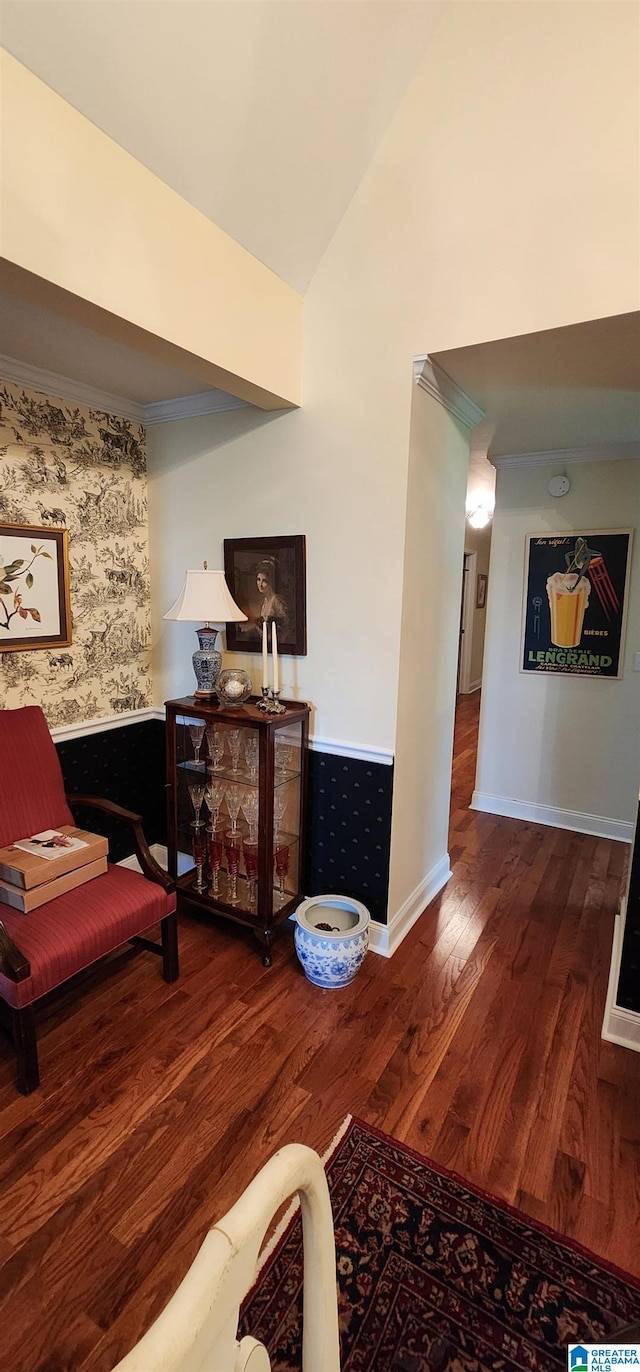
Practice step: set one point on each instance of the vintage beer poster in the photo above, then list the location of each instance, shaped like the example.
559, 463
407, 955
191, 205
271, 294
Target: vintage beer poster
576, 587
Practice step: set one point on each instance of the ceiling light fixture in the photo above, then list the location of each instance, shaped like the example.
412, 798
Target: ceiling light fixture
479, 515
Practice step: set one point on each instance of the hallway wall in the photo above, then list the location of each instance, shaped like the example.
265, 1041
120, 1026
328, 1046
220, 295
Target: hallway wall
478, 541
560, 749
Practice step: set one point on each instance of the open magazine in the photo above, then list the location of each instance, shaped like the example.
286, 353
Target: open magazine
50, 844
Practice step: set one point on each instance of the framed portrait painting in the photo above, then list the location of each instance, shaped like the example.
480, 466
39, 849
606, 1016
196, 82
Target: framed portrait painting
35, 608
575, 602
481, 591
267, 579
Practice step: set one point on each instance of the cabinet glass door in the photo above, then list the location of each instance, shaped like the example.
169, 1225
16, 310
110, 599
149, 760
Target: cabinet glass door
287, 798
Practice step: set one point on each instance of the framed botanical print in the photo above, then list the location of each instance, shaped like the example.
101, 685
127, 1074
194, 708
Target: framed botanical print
35, 608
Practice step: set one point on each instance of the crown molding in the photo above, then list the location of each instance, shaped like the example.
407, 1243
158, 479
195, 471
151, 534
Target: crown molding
64, 386
189, 406
446, 391
159, 412
605, 452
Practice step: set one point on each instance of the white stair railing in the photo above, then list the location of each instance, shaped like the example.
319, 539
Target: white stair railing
197, 1330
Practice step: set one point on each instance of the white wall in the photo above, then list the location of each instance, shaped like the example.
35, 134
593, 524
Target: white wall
503, 198
559, 742
438, 462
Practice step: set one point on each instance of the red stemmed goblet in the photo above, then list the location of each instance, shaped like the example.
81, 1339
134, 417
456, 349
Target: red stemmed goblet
282, 867
232, 844
251, 851
215, 835
199, 850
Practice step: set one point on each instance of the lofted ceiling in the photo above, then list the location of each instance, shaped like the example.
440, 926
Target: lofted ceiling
263, 114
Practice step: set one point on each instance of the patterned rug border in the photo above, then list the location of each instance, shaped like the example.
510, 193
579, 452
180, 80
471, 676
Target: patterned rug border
350, 1122
563, 1240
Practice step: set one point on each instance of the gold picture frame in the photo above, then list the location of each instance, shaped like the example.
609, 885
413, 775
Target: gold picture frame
35, 601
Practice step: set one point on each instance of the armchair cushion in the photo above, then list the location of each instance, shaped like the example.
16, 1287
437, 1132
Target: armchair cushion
28, 756
74, 930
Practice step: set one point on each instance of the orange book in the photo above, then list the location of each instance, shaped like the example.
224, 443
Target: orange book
31, 869
26, 900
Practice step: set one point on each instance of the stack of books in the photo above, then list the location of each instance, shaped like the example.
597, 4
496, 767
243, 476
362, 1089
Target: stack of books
36, 869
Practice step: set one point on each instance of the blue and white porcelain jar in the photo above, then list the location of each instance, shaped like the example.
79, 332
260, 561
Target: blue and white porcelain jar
332, 937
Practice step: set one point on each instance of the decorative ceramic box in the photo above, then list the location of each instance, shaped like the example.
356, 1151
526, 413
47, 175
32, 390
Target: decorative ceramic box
332, 937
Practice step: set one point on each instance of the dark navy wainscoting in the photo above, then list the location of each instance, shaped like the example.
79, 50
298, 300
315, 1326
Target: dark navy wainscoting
349, 830
629, 983
126, 765
349, 807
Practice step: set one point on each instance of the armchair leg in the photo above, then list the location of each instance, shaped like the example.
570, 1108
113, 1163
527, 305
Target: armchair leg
170, 963
26, 1049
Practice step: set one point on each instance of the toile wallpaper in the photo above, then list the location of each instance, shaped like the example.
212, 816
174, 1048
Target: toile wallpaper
67, 466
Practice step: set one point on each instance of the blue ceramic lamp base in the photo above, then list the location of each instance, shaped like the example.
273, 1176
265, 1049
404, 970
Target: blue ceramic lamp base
207, 662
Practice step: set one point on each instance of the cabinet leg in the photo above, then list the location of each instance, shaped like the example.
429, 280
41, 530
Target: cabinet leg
264, 939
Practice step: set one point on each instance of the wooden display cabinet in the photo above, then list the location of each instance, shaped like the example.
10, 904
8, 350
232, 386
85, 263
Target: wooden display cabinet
237, 799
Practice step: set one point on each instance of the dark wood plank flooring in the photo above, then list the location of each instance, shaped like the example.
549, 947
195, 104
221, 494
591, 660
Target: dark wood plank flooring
478, 1044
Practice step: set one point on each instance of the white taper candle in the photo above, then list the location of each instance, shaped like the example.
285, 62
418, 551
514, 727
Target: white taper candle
274, 647
265, 655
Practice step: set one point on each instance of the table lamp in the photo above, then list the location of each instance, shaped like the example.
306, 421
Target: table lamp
204, 597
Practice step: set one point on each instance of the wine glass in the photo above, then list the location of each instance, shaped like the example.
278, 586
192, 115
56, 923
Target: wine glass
199, 849
282, 867
284, 752
213, 798
196, 734
251, 854
234, 801
215, 744
279, 807
251, 756
215, 834
250, 809
232, 842
235, 746
196, 791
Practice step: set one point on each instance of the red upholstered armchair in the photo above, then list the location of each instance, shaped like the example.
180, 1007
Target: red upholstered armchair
44, 948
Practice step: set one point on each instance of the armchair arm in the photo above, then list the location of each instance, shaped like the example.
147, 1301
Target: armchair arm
150, 867
13, 963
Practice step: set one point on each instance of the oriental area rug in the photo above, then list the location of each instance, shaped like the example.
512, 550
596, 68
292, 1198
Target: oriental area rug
434, 1276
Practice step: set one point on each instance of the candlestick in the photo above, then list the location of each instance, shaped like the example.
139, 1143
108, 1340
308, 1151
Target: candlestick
274, 648
265, 657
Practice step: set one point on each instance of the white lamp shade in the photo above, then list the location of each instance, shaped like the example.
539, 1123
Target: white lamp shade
205, 598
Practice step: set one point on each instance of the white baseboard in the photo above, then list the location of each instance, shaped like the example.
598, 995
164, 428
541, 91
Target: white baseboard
386, 938
580, 823
619, 1025
622, 1027
473, 686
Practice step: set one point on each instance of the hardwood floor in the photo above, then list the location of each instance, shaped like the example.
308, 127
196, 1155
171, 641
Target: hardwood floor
478, 1044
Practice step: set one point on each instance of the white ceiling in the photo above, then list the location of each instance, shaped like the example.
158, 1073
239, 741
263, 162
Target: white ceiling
31, 333
574, 387
264, 114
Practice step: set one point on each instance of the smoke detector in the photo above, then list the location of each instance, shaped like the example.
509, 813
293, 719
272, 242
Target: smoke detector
559, 485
